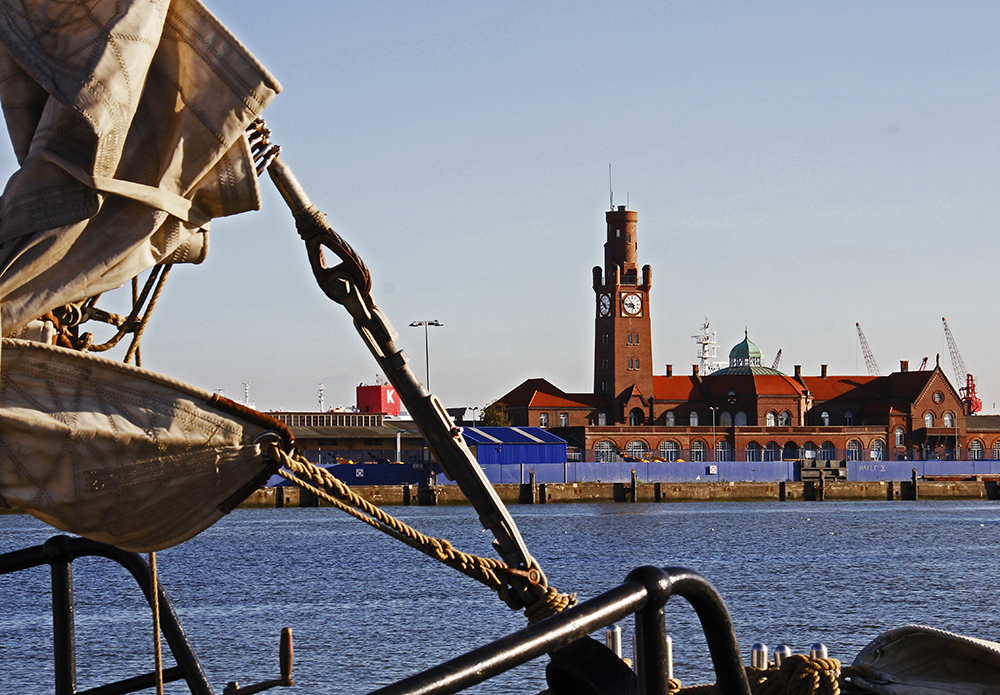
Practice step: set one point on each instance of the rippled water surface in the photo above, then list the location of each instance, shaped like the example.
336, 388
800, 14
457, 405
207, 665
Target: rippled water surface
367, 611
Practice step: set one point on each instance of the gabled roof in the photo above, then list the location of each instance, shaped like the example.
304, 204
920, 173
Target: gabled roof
834, 387
540, 393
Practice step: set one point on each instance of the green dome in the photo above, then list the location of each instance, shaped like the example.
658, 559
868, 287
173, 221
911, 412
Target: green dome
745, 354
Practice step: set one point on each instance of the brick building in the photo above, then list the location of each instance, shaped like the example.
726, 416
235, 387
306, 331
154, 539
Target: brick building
745, 411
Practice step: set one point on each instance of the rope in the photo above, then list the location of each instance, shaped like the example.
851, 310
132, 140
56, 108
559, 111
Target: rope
798, 675
324, 484
158, 648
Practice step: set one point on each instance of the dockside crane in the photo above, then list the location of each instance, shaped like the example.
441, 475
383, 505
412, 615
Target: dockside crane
968, 392
873, 369
777, 360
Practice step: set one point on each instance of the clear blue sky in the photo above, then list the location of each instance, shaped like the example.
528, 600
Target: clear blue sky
796, 167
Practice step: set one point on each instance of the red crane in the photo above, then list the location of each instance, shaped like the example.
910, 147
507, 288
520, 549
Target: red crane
972, 402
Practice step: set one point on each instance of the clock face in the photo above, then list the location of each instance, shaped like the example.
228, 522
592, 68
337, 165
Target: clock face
632, 304
605, 304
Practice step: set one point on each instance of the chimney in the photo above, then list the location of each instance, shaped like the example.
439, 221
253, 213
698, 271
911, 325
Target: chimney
904, 365
798, 371
822, 370
694, 370
670, 370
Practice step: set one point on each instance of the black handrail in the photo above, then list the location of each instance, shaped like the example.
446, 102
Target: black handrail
59, 552
645, 593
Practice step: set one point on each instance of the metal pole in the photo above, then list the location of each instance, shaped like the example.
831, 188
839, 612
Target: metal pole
427, 353
714, 445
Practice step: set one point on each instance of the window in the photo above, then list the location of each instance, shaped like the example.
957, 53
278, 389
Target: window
564, 419
694, 419
785, 419
637, 449
929, 420
543, 419
825, 417
635, 341
604, 339
827, 452
726, 420
604, 452
772, 452
996, 449
878, 450
949, 420
698, 450
602, 419
741, 419
976, 450
604, 387
772, 418
629, 341
636, 417
630, 364
636, 362
722, 451
669, 450
809, 450
854, 450
604, 365
753, 451
671, 420
848, 418
900, 436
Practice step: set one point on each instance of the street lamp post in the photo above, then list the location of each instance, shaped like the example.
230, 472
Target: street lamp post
714, 450
427, 364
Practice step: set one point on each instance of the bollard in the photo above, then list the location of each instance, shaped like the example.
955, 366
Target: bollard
781, 652
635, 486
758, 655
613, 639
818, 651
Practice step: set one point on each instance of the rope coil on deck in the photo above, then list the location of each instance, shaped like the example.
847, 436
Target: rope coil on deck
798, 675
324, 484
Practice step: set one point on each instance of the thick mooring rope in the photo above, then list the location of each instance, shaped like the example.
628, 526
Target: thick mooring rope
798, 675
324, 484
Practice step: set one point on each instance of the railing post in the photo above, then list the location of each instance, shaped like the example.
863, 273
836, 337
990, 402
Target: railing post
63, 629
652, 657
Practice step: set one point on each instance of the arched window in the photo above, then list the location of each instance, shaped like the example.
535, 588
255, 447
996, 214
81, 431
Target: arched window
722, 451
854, 450
637, 449
669, 450
949, 420
848, 417
900, 437
741, 419
602, 419
694, 419
785, 419
636, 417
725, 420
670, 418
698, 450
604, 452
827, 451
790, 451
878, 450
753, 451
976, 450
809, 450
825, 417
928, 419
772, 452
996, 449
772, 418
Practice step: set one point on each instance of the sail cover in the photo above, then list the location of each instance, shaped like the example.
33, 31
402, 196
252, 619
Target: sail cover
119, 454
127, 118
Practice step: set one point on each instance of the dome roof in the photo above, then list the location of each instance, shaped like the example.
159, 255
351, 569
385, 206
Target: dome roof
745, 353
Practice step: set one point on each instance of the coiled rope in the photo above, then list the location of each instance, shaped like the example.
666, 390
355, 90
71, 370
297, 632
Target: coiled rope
798, 675
324, 484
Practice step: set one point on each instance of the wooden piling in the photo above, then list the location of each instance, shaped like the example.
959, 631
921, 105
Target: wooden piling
782, 492
890, 490
657, 492
913, 482
635, 486
406, 494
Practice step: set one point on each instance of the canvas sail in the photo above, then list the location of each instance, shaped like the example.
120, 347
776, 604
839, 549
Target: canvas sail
127, 118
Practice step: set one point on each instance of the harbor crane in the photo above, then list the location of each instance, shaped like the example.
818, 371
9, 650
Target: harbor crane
968, 392
923, 365
873, 369
777, 360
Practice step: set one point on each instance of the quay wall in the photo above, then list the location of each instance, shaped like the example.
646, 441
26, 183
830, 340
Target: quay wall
542, 493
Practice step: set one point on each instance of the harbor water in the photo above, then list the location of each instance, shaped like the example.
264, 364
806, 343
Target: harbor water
367, 611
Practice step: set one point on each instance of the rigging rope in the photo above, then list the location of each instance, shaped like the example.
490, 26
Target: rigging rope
324, 484
798, 675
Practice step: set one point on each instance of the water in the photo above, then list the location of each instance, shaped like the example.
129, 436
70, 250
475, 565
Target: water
367, 611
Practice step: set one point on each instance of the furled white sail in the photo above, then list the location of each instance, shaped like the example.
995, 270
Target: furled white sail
119, 454
127, 118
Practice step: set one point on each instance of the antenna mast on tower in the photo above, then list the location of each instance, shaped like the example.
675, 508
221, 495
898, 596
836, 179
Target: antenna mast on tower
709, 349
322, 395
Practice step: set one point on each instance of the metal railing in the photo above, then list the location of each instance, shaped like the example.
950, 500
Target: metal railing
645, 593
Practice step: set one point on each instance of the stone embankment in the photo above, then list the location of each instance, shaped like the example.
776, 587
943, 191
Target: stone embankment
654, 492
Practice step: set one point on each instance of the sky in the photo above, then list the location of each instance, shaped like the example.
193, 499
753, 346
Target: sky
797, 168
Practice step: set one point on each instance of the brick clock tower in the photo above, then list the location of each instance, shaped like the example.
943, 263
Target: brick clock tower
623, 354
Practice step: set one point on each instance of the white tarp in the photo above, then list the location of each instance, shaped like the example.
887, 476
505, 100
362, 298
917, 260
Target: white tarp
119, 454
127, 118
